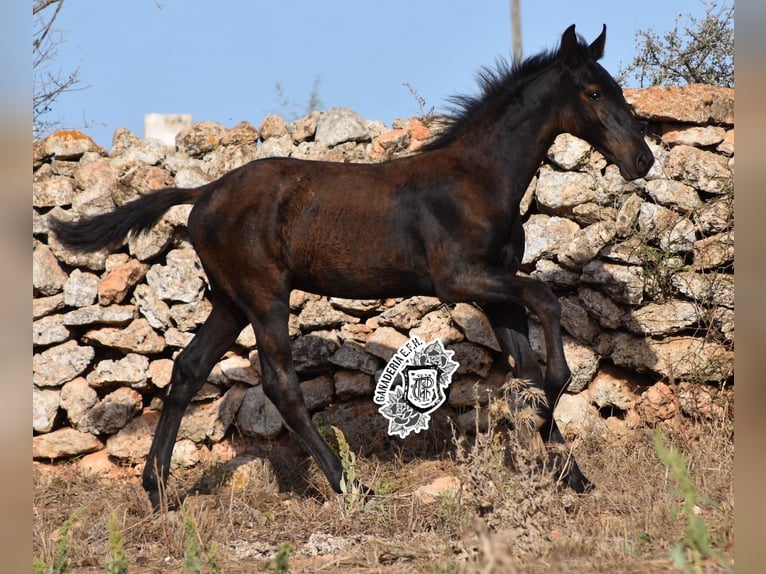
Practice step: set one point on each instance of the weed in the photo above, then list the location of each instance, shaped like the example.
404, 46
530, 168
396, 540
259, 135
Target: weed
425, 117
192, 552
280, 562
116, 561
349, 485
60, 563
695, 546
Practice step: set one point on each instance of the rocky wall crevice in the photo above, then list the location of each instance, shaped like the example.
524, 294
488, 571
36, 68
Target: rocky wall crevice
644, 272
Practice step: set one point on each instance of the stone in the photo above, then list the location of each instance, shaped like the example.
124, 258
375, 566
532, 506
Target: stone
48, 278
716, 216
707, 171
241, 370
318, 392
98, 315
545, 234
559, 191
97, 184
657, 404
42, 306
64, 443
70, 145
45, 407
130, 370
614, 387
241, 134
666, 227
81, 289
586, 244
114, 411
304, 129
437, 325
472, 359
49, 331
180, 279
577, 417
77, 398
321, 314
138, 337
623, 283
94, 261
153, 242
53, 191
677, 357
57, 365
356, 307
475, 325
438, 489
276, 147
98, 463
662, 318
189, 316
714, 251
352, 384
141, 178
272, 126
160, 372
115, 285
627, 215
674, 194
354, 357
472, 390
705, 288
554, 275
258, 416
200, 138
602, 308
152, 308
408, 313
569, 152
698, 136
210, 420
312, 352
384, 342
576, 321
131, 443
583, 362
694, 103
338, 125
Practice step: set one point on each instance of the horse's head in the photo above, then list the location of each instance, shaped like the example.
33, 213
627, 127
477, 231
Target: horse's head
595, 109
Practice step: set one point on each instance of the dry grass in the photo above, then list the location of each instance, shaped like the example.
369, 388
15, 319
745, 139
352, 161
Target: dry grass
507, 517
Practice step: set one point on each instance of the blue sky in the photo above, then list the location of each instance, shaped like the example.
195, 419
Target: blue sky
222, 61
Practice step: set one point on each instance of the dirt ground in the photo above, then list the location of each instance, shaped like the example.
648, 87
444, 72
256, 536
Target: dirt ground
270, 510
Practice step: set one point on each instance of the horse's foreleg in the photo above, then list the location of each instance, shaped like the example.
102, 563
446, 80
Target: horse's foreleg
190, 371
281, 386
511, 329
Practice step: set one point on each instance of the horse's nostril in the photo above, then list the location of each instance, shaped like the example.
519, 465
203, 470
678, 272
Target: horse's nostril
641, 163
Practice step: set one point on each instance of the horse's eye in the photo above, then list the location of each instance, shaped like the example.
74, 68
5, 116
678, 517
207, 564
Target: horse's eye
594, 95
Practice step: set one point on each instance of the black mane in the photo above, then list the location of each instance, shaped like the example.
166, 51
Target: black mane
498, 86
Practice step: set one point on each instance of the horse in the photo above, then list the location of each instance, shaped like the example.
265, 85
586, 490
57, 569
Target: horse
442, 222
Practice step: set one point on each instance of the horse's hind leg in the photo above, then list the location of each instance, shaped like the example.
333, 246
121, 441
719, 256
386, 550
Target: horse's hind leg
281, 386
512, 329
190, 371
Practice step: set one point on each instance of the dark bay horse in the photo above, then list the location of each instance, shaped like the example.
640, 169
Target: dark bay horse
444, 222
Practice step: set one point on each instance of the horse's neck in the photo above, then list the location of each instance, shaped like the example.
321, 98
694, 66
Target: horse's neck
515, 144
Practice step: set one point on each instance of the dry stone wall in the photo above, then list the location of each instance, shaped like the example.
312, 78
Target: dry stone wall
643, 270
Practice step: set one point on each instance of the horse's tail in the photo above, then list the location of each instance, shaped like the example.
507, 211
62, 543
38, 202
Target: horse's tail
109, 230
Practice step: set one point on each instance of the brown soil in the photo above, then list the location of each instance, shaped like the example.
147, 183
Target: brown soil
508, 516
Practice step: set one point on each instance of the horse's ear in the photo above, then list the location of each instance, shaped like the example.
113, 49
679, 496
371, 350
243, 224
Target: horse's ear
568, 50
597, 47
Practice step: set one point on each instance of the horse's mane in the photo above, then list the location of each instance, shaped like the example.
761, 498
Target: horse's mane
498, 86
